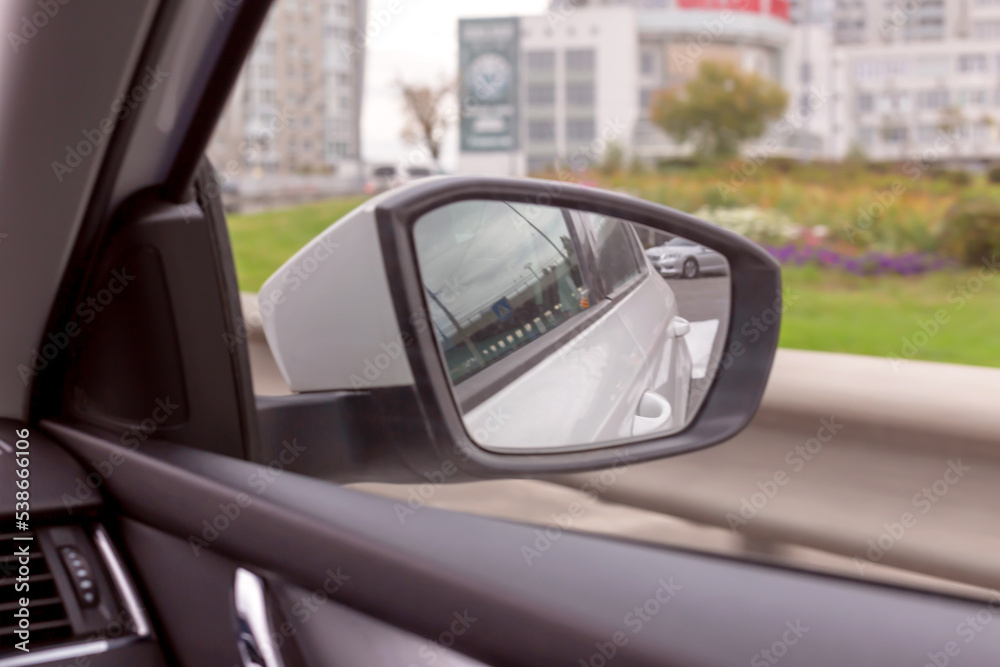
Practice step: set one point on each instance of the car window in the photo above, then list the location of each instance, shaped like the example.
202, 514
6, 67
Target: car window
384, 172
614, 244
534, 279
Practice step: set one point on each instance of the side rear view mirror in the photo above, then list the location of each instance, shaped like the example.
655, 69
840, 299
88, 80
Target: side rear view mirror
503, 326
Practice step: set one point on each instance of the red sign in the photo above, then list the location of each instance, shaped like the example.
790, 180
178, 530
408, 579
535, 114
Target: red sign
777, 8
732, 5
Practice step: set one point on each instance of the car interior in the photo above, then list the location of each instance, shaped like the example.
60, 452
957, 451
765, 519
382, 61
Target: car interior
170, 516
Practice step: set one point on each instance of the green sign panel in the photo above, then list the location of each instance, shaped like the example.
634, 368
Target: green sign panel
488, 83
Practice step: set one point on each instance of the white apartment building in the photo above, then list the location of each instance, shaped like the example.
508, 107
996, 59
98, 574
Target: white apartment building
910, 79
296, 107
586, 72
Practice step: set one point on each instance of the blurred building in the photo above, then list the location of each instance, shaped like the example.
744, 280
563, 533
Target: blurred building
917, 79
558, 89
296, 106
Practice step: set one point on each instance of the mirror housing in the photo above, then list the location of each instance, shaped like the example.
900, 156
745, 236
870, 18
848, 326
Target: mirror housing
347, 319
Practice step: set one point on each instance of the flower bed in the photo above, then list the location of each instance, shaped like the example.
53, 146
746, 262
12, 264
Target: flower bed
866, 264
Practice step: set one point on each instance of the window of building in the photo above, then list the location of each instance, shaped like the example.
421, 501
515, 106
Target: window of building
932, 99
986, 29
542, 131
805, 72
580, 94
541, 61
866, 102
539, 163
541, 94
926, 133
894, 135
647, 62
580, 130
645, 100
580, 60
972, 62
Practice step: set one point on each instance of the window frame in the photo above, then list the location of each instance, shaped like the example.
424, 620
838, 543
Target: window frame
634, 245
479, 387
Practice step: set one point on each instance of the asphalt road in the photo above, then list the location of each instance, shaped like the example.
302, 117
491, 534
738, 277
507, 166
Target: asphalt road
704, 298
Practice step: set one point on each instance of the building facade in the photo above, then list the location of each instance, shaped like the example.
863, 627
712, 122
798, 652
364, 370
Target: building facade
917, 79
586, 73
894, 80
296, 107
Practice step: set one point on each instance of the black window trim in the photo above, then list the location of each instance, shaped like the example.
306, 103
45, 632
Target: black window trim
634, 244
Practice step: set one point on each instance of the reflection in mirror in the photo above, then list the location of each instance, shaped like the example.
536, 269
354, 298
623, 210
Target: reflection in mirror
563, 329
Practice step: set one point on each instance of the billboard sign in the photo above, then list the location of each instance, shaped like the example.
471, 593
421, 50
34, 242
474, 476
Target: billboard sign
488, 83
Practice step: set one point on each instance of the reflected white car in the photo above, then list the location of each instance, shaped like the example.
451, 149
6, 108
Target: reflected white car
686, 259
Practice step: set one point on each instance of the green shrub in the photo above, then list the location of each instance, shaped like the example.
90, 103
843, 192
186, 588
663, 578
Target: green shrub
960, 178
994, 174
782, 165
613, 159
971, 230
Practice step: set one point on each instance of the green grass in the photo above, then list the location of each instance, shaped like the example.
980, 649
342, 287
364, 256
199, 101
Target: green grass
828, 311
882, 316
263, 241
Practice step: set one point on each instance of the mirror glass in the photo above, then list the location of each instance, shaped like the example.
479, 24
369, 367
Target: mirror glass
562, 329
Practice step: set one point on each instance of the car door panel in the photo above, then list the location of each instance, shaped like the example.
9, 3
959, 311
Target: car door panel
558, 606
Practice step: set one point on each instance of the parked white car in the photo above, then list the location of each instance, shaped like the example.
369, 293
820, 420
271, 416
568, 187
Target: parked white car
682, 258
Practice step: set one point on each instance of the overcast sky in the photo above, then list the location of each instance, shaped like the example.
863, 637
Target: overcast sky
418, 44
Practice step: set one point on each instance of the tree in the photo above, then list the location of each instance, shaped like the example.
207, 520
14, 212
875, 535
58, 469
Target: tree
719, 109
427, 117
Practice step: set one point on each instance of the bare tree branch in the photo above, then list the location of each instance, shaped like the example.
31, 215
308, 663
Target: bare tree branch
427, 118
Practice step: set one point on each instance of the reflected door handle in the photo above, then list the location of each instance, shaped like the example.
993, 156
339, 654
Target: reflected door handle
253, 638
653, 414
678, 327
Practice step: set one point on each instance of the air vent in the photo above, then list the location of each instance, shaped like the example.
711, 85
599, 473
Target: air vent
49, 622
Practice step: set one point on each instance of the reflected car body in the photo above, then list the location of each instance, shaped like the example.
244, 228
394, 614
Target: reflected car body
579, 353
686, 259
